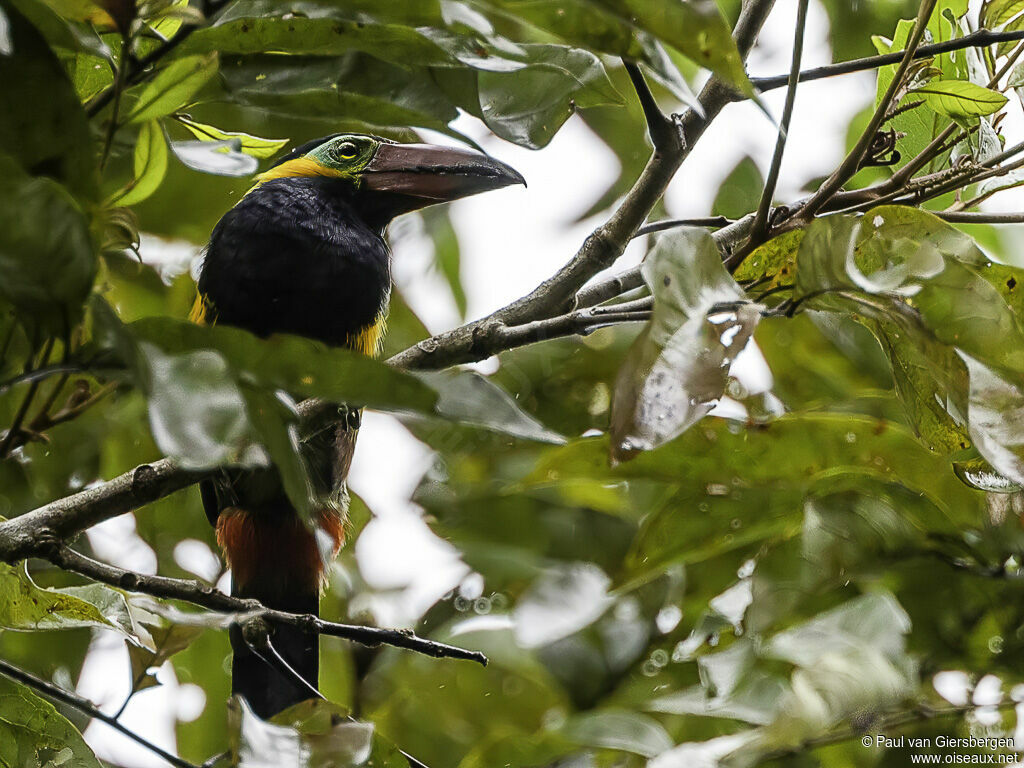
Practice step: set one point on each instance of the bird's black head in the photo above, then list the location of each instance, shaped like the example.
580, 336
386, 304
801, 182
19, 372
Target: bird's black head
394, 178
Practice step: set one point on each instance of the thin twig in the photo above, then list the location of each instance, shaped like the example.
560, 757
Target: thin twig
759, 228
43, 372
851, 163
211, 598
7, 444
976, 39
980, 217
477, 340
56, 693
663, 224
137, 70
663, 130
120, 80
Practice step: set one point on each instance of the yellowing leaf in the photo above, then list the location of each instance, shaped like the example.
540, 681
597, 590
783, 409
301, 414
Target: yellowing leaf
254, 146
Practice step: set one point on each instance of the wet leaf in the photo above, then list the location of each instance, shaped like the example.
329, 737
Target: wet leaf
560, 602
469, 398
624, 731
325, 34
996, 418
678, 367
196, 410
221, 158
312, 734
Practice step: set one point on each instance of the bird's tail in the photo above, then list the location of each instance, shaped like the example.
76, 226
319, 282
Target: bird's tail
275, 559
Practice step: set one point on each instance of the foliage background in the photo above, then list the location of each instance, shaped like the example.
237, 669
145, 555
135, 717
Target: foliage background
746, 590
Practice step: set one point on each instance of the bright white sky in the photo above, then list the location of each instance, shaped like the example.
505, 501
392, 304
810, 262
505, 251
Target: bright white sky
511, 240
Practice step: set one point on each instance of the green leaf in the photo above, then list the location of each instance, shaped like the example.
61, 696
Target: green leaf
678, 368
775, 464
166, 641
47, 257
959, 98
46, 136
740, 192
197, 412
251, 145
34, 734
854, 519
932, 268
324, 35
915, 128
301, 367
930, 379
997, 12
996, 418
530, 105
370, 91
172, 88
275, 421
150, 165
446, 252
773, 263
26, 607
467, 397
696, 28
620, 730
560, 602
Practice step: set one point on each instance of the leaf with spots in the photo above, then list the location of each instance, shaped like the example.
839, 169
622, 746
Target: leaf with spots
33, 734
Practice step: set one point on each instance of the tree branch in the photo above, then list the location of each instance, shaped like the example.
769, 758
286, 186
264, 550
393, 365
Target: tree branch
213, 599
705, 221
56, 693
476, 341
851, 163
980, 217
976, 39
532, 318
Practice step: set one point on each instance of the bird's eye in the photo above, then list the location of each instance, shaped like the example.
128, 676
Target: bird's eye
346, 150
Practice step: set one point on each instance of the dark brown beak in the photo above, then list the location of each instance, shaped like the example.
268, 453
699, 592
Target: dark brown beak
434, 174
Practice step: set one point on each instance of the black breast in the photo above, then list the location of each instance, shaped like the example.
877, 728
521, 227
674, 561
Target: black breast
294, 257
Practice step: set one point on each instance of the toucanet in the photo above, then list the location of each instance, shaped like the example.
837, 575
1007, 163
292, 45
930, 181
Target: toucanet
304, 252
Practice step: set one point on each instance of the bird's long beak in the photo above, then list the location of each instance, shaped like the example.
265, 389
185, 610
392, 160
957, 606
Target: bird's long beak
434, 174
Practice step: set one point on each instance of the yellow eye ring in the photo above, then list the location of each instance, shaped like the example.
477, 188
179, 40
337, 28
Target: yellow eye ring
346, 150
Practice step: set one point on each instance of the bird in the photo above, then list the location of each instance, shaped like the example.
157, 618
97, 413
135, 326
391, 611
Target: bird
304, 252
